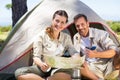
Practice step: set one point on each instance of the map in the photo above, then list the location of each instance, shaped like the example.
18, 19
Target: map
64, 62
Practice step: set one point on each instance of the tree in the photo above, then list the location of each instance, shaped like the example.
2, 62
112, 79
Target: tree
8, 6
19, 8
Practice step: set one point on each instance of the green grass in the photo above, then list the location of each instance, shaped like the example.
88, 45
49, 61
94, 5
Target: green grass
3, 35
119, 37
4, 31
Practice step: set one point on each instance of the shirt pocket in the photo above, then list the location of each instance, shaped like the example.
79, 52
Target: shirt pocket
49, 47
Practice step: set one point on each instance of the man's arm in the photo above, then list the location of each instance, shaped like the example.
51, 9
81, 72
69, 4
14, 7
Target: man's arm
103, 54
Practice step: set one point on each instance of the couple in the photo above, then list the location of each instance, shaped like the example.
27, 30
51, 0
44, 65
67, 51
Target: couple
51, 39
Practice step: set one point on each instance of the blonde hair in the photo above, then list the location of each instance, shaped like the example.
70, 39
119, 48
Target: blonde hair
50, 32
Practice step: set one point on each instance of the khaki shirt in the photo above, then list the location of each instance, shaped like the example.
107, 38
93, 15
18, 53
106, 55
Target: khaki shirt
98, 38
102, 41
43, 44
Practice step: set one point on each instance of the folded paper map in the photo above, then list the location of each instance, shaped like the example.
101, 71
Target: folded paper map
63, 62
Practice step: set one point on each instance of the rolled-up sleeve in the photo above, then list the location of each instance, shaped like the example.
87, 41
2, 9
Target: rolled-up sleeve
108, 42
37, 47
69, 46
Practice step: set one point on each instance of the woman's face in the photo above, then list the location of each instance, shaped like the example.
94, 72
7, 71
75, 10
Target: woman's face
58, 23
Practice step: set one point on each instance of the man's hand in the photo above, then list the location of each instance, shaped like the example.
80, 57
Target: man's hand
91, 53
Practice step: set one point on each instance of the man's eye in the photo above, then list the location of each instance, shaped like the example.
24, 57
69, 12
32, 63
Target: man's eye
82, 24
77, 26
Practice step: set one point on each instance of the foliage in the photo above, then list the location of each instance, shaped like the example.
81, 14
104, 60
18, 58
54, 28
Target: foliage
4, 31
8, 6
115, 26
5, 28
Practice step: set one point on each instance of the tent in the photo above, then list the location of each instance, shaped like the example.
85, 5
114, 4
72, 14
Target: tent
16, 51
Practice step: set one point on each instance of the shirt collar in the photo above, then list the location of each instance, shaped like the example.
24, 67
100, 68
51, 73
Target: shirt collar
78, 36
60, 37
91, 34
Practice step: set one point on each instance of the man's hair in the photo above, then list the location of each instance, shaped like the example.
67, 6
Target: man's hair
61, 13
79, 16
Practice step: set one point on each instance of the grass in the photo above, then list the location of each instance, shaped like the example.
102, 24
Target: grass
119, 37
3, 35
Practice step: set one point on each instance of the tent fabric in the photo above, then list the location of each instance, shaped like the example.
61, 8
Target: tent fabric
22, 36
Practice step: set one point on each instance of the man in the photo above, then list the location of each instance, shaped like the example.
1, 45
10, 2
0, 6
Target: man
97, 46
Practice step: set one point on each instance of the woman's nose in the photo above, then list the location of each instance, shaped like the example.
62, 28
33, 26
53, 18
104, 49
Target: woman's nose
59, 24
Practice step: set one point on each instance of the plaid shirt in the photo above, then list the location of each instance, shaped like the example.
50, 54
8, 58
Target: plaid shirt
98, 38
102, 41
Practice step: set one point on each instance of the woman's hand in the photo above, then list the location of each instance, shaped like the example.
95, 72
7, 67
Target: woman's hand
44, 67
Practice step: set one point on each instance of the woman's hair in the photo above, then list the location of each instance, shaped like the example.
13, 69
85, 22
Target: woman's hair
50, 33
61, 13
79, 16
49, 30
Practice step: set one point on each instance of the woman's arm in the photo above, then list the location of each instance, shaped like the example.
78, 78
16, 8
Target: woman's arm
37, 52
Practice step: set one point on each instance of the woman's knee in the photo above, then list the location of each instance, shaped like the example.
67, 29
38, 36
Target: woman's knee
20, 77
23, 77
30, 76
20, 71
63, 76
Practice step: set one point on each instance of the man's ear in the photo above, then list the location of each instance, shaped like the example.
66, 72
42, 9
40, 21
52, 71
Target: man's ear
88, 23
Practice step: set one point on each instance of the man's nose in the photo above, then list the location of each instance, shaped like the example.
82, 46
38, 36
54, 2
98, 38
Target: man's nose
80, 27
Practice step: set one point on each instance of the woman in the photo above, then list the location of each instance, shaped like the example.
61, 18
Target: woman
52, 42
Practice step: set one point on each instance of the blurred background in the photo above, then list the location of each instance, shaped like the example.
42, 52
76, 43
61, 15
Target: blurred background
106, 9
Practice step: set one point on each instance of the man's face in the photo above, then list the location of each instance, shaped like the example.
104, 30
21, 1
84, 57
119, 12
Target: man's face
82, 26
59, 23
